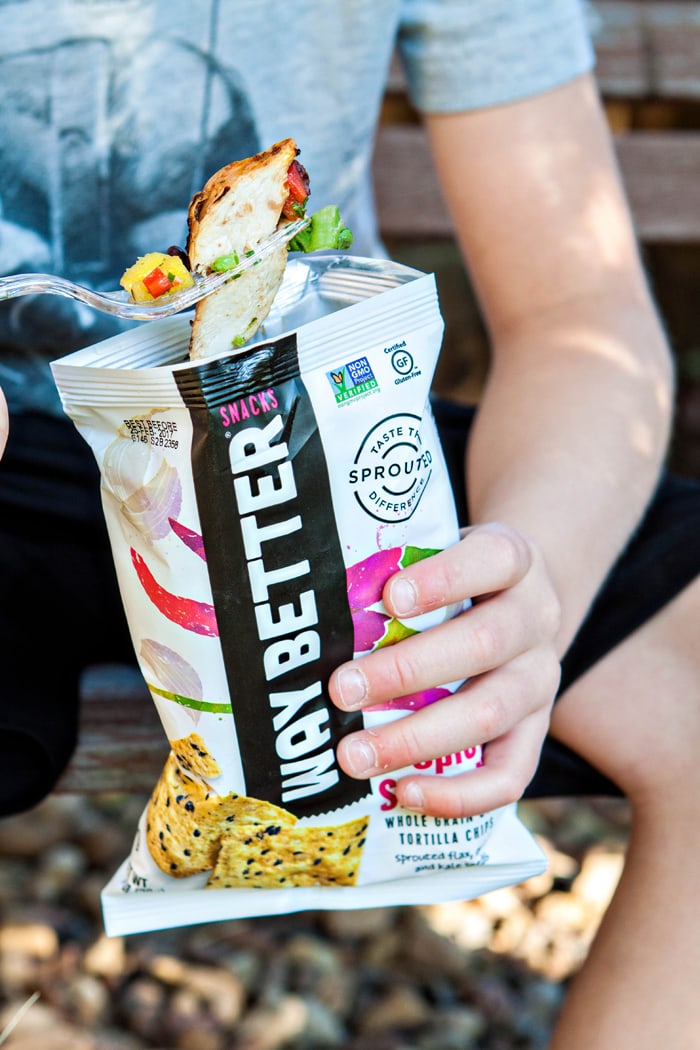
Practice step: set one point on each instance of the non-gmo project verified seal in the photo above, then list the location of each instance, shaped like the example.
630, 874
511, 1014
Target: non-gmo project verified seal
354, 379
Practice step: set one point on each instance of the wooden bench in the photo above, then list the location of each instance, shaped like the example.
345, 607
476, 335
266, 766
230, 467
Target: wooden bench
649, 73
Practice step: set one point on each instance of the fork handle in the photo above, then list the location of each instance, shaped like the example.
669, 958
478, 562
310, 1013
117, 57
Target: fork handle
14, 286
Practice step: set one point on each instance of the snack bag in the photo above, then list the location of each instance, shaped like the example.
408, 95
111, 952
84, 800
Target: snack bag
256, 504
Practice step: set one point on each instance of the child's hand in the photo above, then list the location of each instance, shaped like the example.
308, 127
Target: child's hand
504, 645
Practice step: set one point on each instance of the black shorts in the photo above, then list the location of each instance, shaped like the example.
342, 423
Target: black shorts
60, 609
661, 558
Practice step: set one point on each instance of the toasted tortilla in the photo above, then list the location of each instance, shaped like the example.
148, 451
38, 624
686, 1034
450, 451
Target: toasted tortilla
273, 855
185, 821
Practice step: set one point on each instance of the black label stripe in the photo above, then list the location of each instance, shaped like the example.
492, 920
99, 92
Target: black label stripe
276, 571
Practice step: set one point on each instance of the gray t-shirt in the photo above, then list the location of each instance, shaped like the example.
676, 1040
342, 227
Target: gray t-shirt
114, 112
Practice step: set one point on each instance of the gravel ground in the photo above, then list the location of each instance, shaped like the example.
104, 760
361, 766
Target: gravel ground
488, 974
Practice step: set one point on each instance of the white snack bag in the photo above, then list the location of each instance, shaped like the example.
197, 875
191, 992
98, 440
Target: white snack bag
256, 503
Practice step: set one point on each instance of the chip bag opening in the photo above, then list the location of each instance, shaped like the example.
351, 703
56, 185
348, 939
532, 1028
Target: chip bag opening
256, 504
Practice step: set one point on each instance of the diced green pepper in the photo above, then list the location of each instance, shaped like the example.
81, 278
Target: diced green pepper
241, 340
325, 231
225, 262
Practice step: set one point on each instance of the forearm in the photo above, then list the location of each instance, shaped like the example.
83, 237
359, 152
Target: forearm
570, 437
565, 450
575, 417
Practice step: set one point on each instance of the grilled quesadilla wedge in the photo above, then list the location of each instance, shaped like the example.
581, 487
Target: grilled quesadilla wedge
240, 206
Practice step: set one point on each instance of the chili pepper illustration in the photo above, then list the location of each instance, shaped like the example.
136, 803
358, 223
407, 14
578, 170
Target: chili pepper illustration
412, 701
375, 630
189, 537
369, 627
365, 581
193, 615
413, 554
366, 578
395, 631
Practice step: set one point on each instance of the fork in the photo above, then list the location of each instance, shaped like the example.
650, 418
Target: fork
120, 303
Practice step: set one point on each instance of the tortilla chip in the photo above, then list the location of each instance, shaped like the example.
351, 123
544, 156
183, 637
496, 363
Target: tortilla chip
192, 755
185, 821
278, 855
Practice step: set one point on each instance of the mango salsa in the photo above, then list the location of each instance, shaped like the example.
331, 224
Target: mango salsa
171, 273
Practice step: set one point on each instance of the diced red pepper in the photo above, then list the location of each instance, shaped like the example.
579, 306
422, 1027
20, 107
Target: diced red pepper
299, 186
157, 282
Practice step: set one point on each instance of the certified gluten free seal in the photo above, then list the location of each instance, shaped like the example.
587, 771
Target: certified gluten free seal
392, 468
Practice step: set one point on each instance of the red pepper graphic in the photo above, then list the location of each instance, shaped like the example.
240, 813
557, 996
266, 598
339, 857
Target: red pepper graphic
412, 701
369, 627
374, 629
195, 616
366, 578
189, 537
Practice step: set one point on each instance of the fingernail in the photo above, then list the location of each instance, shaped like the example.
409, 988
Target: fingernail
352, 687
403, 596
359, 756
412, 797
